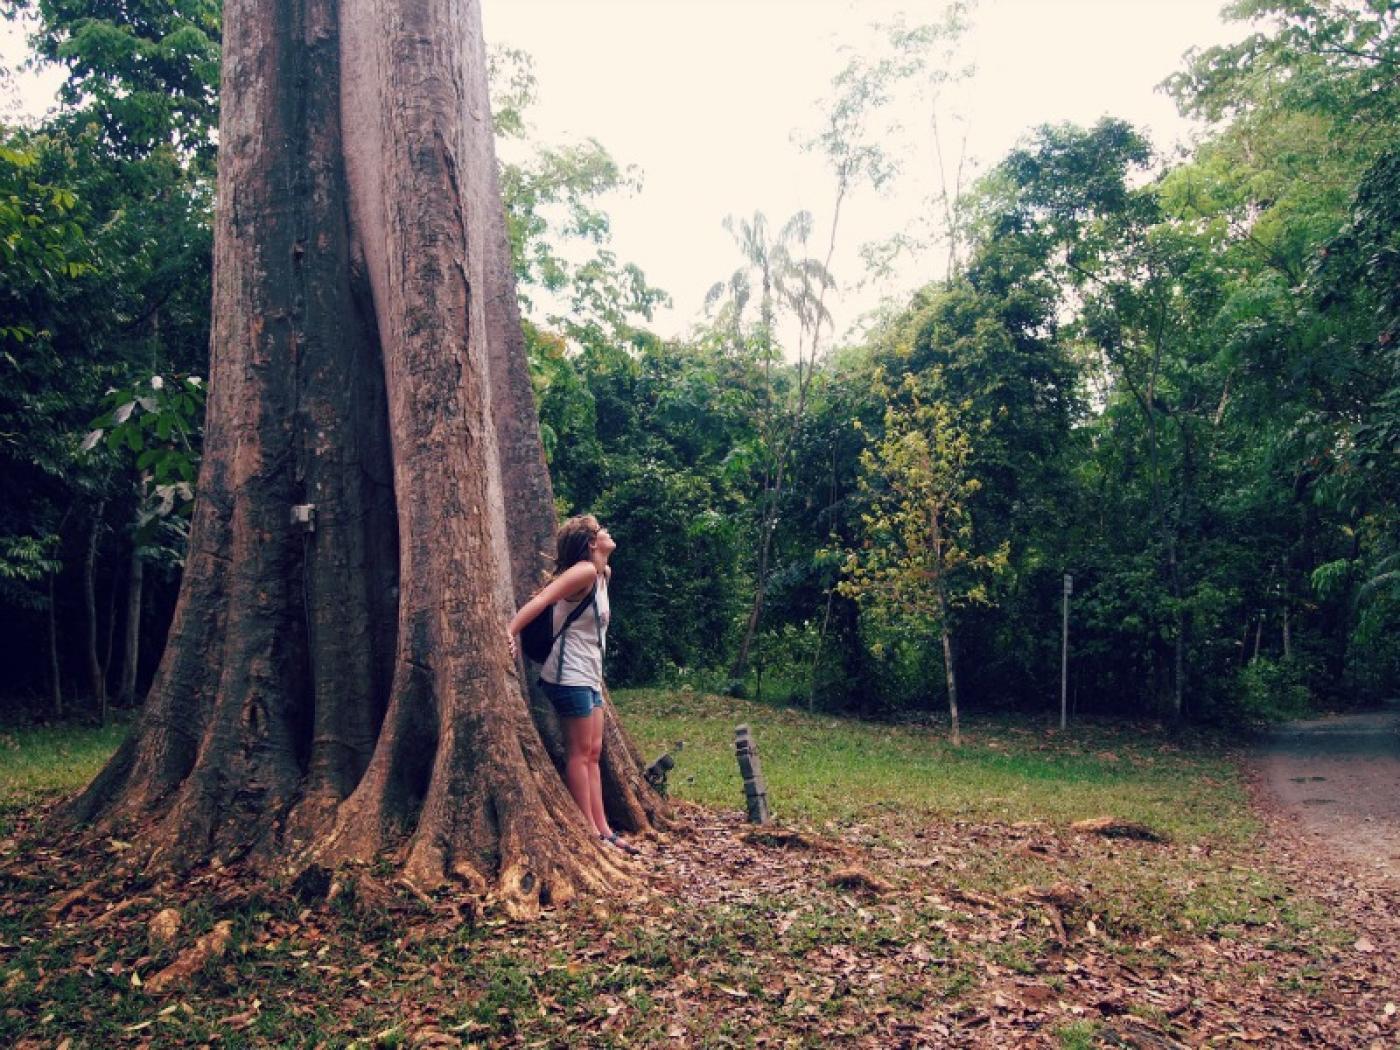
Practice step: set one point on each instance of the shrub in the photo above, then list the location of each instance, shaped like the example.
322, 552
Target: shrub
1268, 690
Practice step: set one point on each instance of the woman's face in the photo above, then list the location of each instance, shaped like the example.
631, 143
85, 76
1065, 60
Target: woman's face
602, 542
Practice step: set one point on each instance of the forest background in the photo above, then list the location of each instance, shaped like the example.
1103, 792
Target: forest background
1174, 378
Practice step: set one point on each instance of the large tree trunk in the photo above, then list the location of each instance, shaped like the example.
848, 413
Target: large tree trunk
346, 690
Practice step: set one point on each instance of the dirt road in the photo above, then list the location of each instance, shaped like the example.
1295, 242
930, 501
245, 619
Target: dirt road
1340, 778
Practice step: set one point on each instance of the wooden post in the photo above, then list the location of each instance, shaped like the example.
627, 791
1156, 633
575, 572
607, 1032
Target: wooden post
1064, 654
755, 786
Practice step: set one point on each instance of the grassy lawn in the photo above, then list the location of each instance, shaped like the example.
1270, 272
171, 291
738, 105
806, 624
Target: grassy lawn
40, 762
43, 760
936, 896
824, 769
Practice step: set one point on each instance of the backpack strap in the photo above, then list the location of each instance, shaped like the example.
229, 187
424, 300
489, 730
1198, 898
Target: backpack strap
598, 619
559, 635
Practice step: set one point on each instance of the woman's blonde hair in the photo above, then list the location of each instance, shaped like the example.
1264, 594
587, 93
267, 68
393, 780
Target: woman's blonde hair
572, 540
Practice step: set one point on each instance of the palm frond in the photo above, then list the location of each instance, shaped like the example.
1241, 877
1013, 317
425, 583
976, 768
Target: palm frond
1385, 574
797, 229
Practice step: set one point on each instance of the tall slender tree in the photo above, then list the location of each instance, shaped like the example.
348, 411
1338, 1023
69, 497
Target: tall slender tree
788, 283
339, 686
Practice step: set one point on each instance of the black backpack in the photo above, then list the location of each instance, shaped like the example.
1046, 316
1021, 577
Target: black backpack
538, 636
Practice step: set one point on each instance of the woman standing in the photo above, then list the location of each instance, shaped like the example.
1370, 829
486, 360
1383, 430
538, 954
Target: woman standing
572, 674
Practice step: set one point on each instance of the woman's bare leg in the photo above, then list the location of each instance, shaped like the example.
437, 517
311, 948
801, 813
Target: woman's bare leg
578, 761
595, 776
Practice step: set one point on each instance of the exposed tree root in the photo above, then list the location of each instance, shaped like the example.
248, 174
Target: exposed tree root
861, 880
789, 838
1113, 828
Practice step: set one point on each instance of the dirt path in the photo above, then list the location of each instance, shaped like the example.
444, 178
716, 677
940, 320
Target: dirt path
1339, 778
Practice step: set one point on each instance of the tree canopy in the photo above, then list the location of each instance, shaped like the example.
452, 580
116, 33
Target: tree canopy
1176, 378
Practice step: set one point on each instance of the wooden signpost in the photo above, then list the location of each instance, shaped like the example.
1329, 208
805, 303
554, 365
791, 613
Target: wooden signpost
755, 786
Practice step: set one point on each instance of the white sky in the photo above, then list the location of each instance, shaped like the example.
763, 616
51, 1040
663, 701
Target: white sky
704, 96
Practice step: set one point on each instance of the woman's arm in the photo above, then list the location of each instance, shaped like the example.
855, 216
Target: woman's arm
572, 580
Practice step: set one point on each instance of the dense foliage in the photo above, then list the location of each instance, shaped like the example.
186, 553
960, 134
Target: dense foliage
105, 242
1178, 381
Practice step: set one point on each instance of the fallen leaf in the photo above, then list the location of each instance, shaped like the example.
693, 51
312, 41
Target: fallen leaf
244, 1019
164, 926
1037, 995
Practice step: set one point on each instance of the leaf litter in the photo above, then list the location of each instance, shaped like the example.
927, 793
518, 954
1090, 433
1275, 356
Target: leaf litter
897, 931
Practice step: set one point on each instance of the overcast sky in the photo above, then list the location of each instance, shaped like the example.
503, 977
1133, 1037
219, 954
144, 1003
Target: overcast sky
704, 97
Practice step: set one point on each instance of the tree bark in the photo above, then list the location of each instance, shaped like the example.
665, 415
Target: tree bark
97, 680
949, 670
345, 692
951, 673
131, 636
768, 523
57, 693
108, 647
945, 629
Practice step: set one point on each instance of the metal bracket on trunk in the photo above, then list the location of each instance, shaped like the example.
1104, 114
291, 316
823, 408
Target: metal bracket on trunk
304, 515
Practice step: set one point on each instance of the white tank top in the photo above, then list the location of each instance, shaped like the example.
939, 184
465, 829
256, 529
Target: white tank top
577, 656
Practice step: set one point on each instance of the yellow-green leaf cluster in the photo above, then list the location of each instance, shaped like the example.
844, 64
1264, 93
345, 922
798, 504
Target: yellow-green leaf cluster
917, 559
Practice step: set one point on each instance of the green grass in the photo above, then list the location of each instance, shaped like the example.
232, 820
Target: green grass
822, 769
1077, 1036
42, 761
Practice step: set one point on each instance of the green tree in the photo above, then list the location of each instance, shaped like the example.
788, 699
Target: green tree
851, 137
151, 429
133, 144
1299, 173
791, 285
145, 72
46, 254
917, 565
569, 279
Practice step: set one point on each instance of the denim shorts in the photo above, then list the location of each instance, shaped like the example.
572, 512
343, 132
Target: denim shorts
572, 701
